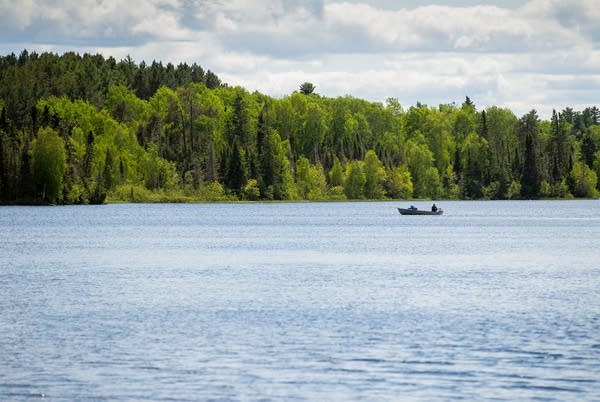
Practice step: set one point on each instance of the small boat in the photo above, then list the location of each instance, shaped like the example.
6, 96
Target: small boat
416, 211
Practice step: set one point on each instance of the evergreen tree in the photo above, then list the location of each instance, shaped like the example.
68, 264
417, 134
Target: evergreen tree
475, 164
266, 153
236, 173
307, 88
588, 149
88, 158
528, 131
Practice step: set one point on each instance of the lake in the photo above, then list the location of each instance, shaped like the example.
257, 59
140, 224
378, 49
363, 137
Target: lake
301, 301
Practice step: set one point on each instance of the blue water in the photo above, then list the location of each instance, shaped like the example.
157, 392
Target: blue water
301, 301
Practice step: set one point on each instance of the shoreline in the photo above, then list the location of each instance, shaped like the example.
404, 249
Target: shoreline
191, 202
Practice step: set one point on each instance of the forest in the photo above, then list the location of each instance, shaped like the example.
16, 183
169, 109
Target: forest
85, 129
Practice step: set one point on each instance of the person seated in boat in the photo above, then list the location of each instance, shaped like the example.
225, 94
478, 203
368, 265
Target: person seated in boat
434, 208
412, 207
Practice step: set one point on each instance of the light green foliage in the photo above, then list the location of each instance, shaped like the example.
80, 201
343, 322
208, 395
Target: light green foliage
95, 140
561, 190
419, 159
449, 184
125, 106
354, 183
503, 145
336, 174
336, 193
80, 114
390, 147
48, 163
109, 172
314, 130
514, 190
583, 181
318, 183
285, 118
374, 176
303, 183
284, 187
399, 183
251, 191
432, 183
310, 180
394, 106
158, 173
545, 189
437, 131
465, 122
213, 191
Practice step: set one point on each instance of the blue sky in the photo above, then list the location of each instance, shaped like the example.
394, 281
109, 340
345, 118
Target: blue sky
519, 54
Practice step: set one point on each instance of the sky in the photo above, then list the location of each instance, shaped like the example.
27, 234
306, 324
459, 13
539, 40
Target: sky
519, 54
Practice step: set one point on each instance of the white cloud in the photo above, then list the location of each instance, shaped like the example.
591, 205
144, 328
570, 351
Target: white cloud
541, 55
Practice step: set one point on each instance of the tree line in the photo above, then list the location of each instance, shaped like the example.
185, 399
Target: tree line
84, 129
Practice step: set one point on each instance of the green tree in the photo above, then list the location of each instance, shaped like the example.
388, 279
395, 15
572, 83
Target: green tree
355, 180
88, 158
158, 173
310, 180
307, 88
239, 130
528, 131
596, 166
251, 191
474, 163
266, 148
399, 183
314, 131
108, 172
583, 181
419, 159
283, 182
437, 132
561, 148
504, 166
336, 174
236, 172
48, 162
124, 105
374, 176
432, 183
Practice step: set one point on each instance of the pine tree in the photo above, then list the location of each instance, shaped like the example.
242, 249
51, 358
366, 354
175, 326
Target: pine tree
236, 175
531, 179
88, 158
307, 88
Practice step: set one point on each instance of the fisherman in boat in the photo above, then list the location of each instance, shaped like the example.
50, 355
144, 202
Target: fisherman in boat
434, 208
